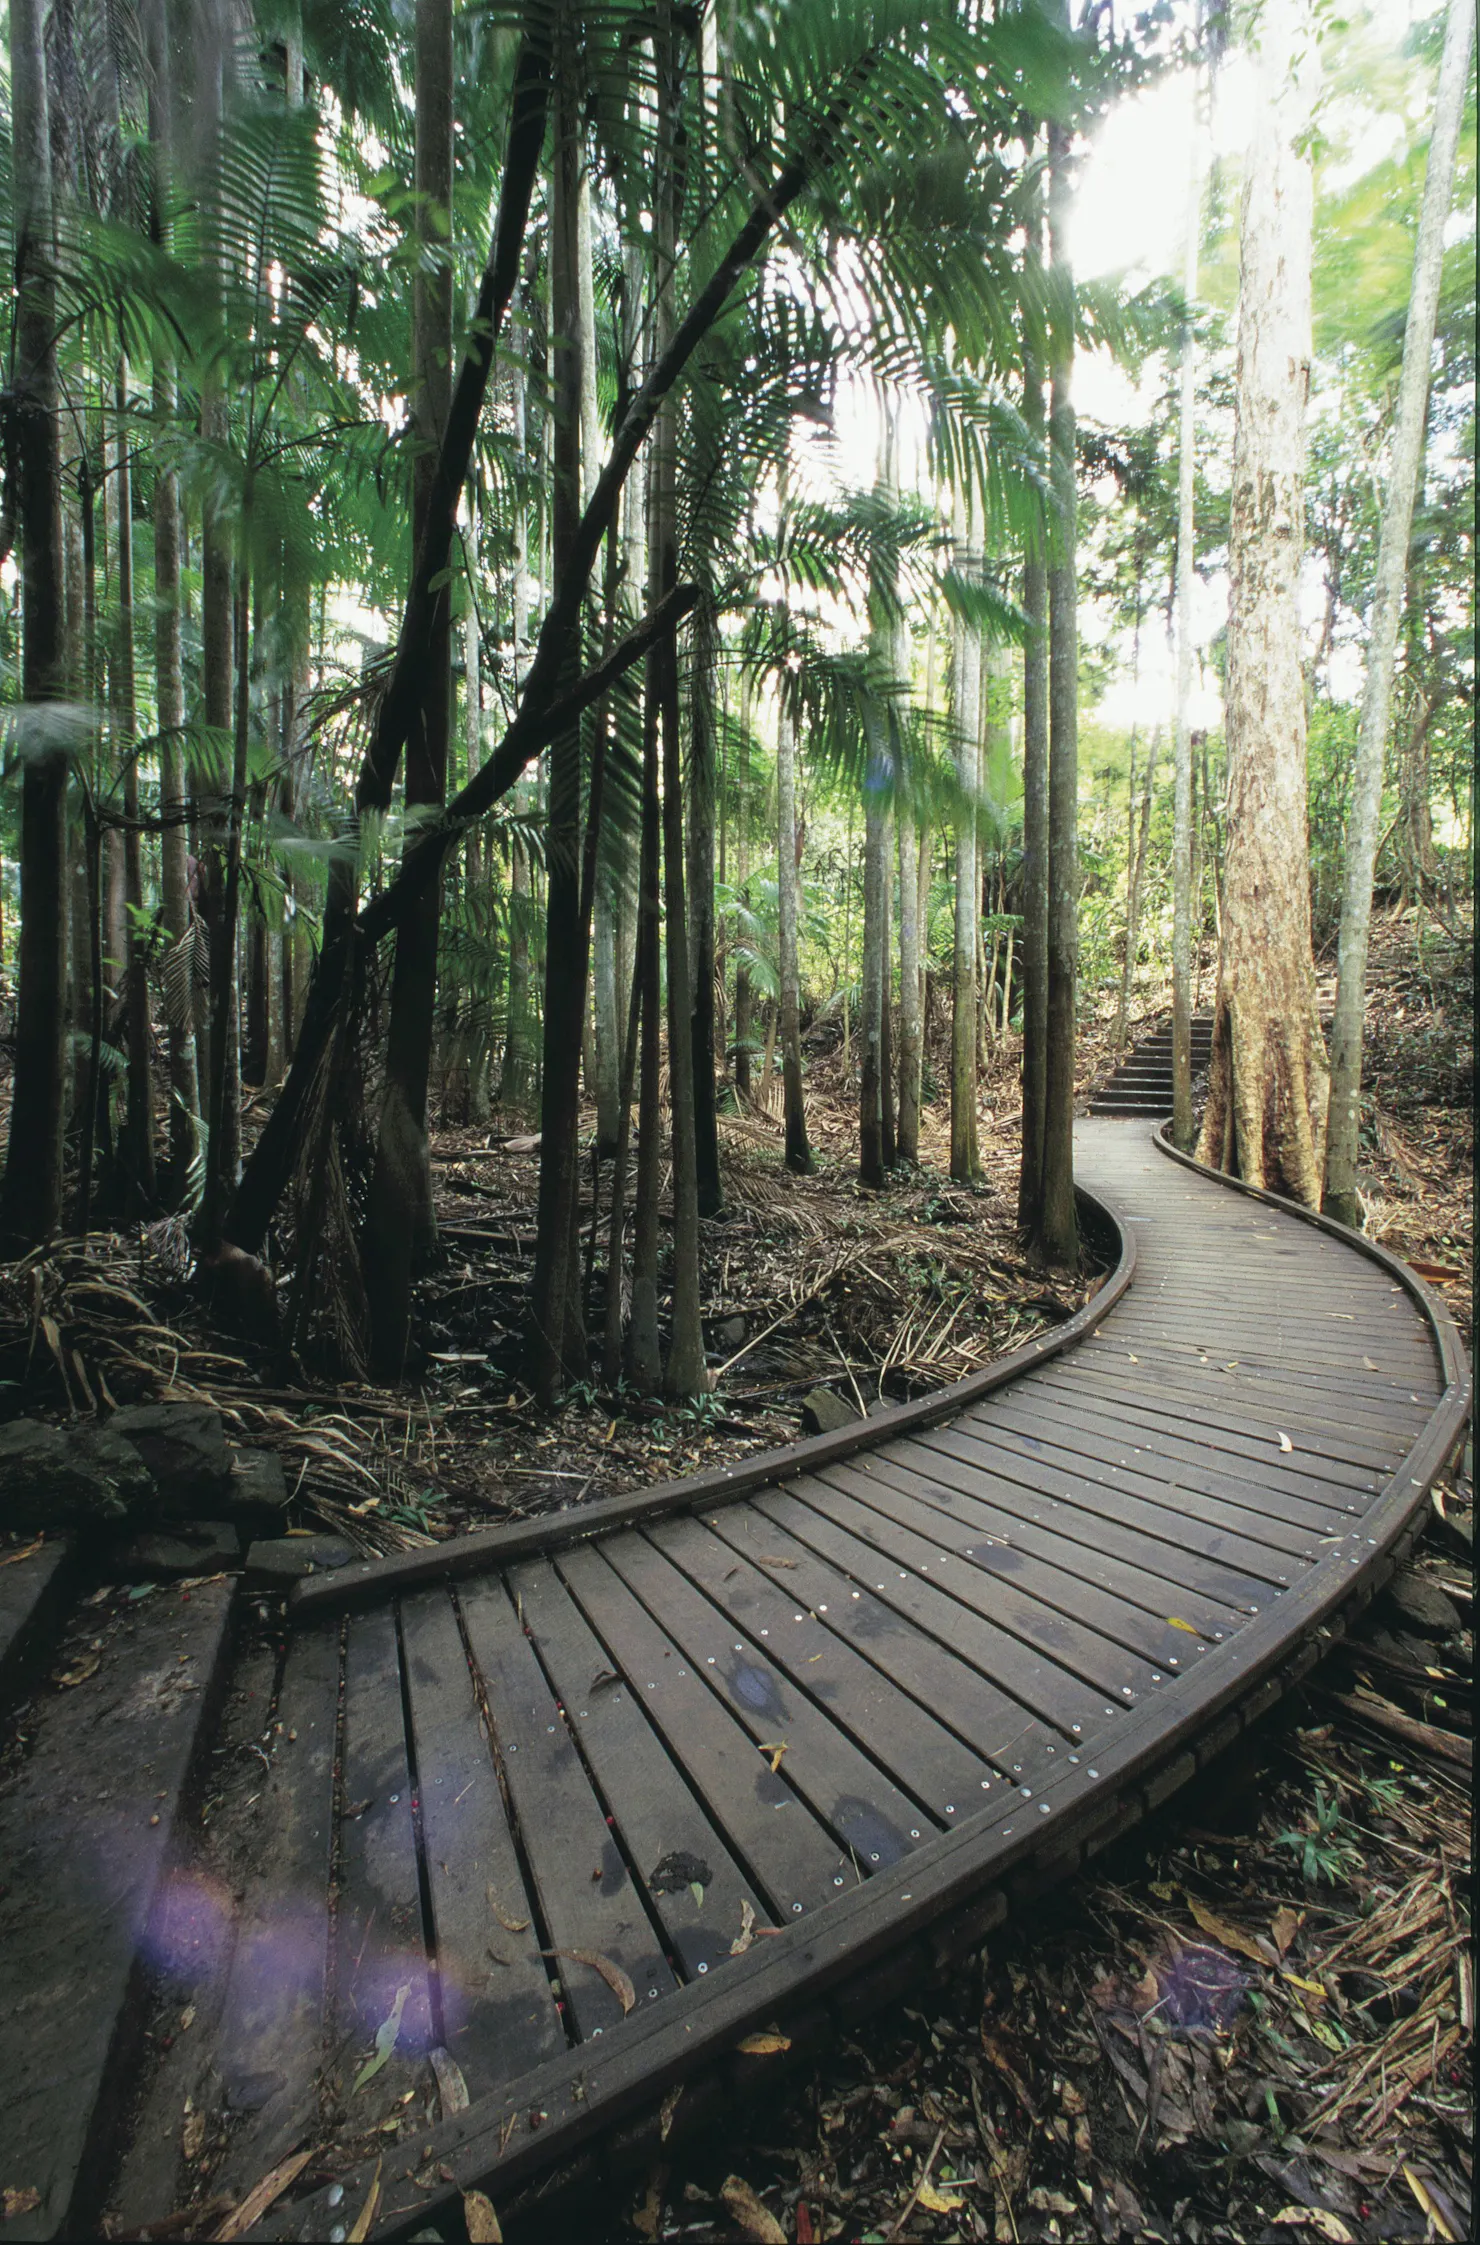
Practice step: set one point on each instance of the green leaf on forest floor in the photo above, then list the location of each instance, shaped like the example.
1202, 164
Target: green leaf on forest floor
386, 2036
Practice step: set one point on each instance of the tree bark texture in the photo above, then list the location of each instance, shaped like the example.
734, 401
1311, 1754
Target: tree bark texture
1267, 1091
798, 1151
400, 1224
31, 1194
1404, 478
1182, 888
966, 674
1059, 1230
557, 1347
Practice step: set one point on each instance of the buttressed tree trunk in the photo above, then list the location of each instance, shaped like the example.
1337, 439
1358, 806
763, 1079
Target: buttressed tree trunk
1404, 477
31, 1194
1267, 1090
401, 1227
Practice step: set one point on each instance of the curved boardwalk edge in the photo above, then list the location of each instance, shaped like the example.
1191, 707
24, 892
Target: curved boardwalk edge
361, 1584
819, 1976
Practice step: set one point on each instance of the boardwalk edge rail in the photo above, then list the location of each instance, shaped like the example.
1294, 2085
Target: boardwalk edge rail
360, 1583
918, 1913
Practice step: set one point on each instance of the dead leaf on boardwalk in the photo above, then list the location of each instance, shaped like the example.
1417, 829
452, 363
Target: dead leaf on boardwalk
1232, 1936
262, 2195
746, 1935
510, 1925
752, 2219
86, 1665
367, 2213
615, 1978
774, 1749
1284, 1926
1174, 1623
386, 2036
451, 2087
1286, 1443
1318, 2218
765, 2044
482, 2221
14, 2203
771, 1559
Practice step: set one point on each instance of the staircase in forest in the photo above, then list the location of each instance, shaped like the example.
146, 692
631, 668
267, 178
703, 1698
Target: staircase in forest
1142, 1084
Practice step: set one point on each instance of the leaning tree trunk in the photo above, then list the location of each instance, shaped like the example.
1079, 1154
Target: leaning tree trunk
400, 1224
1059, 1230
1387, 605
31, 1194
966, 724
1267, 1090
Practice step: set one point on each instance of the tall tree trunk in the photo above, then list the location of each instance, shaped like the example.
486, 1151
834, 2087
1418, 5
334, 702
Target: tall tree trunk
1404, 477
169, 694
875, 1092
1059, 1234
401, 1226
744, 989
703, 808
798, 1151
138, 1138
1035, 852
1267, 1090
1136, 880
1183, 935
685, 1374
966, 724
31, 1194
643, 1354
910, 1046
479, 1052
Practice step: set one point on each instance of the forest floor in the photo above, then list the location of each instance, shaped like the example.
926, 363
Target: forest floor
1255, 2016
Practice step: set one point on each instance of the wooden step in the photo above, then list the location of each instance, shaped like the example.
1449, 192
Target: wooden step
35, 1580
87, 1822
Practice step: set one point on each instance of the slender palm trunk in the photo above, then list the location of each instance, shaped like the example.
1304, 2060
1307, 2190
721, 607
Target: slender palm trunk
138, 1137
1059, 1235
966, 724
703, 806
798, 1151
1364, 818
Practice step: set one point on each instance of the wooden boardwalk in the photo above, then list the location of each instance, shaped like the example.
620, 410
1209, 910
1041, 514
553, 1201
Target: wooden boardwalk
585, 1804
688, 1763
